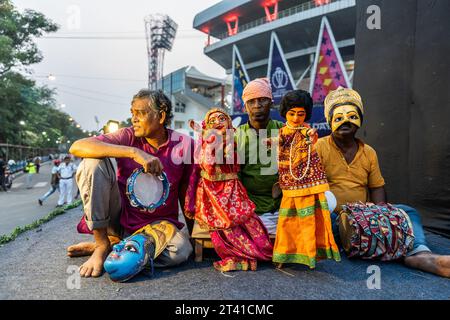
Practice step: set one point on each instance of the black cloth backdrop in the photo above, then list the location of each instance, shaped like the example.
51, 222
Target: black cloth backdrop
403, 75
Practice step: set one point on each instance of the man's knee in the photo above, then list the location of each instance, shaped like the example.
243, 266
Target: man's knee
177, 252
95, 169
410, 211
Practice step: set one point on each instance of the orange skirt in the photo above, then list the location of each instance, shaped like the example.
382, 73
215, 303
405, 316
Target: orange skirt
304, 233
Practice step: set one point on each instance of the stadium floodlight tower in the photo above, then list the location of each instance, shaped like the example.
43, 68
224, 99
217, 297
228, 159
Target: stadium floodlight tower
160, 32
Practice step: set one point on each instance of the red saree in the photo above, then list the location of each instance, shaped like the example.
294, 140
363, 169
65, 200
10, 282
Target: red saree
223, 206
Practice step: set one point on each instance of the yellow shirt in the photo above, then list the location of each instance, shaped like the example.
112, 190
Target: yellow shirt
350, 182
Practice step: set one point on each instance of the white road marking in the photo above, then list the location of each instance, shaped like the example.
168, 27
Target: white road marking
40, 184
17, 185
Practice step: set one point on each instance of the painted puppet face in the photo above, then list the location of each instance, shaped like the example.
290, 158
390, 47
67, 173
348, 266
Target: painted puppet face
295, 117
345, 114
128, 257
219, 121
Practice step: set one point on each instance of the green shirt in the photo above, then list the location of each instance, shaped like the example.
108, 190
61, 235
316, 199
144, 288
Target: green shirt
258, 175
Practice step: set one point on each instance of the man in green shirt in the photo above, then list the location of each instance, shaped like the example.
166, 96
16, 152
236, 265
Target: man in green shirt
259, 172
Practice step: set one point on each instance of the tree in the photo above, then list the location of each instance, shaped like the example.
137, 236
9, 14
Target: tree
21, 100
17, 33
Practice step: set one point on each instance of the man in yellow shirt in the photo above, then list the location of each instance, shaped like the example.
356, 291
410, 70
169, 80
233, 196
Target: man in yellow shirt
354, 174
31, 170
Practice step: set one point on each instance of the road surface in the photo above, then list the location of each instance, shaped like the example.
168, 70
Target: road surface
20, 206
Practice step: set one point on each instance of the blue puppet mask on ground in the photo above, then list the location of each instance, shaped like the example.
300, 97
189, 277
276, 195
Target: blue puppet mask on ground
129, 257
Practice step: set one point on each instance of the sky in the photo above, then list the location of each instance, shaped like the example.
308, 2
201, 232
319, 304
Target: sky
96, 77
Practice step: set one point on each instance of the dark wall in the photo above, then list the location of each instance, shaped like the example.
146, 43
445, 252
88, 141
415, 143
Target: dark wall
403, 74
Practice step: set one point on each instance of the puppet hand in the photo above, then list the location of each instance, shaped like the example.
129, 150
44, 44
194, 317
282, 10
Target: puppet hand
276, 190
312, 132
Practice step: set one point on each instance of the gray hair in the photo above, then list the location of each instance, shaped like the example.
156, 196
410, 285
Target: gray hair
158, 101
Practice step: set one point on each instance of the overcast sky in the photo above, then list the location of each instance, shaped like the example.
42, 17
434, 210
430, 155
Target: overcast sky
75, 62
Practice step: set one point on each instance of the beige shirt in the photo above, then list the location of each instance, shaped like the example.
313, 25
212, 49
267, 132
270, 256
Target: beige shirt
350, 182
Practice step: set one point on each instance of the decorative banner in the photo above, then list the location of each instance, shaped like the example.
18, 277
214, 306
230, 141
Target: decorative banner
240, 80
319, 122
278, 71
328, 72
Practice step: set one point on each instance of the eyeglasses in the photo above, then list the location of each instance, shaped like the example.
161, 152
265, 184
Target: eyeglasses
263, 102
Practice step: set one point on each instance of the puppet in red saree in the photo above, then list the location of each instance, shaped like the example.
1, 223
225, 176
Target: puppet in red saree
222, 204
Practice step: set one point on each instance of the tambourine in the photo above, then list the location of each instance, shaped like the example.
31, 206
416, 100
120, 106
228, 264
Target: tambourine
146, 191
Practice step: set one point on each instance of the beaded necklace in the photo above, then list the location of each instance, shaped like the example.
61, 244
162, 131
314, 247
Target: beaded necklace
308, 163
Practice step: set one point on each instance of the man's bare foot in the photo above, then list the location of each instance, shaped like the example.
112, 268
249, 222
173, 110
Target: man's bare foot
94, 266
81, 250
429, 262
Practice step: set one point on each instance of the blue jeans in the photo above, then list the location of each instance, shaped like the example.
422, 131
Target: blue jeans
50, 192
420, 243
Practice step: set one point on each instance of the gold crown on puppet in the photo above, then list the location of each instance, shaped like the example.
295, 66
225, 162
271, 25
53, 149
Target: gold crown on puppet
342, 96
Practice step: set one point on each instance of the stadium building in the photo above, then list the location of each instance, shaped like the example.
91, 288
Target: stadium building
248, 24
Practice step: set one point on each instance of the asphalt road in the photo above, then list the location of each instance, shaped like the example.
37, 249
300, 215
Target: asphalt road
35, 266
20, 206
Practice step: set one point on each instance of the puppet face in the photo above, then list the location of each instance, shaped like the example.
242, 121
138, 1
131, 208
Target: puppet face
345, 114
296, 116
128, 257
219, 121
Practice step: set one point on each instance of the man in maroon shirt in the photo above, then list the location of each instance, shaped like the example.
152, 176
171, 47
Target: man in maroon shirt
148, 144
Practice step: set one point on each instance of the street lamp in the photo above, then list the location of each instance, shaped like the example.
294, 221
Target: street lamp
111, 126
21, 122
51, 77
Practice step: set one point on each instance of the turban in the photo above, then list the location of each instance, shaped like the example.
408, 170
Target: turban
258, 88
339, 97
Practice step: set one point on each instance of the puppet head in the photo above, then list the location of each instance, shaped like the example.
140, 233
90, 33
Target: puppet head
218, 119
130, 256
296, 107
343, 106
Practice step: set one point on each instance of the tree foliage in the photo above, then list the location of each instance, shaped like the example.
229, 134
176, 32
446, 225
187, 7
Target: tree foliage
21, 100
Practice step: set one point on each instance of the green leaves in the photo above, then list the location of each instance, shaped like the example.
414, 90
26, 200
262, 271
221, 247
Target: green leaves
20, 98
17, 33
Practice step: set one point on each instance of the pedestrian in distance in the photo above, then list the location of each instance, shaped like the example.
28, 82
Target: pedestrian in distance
54, 183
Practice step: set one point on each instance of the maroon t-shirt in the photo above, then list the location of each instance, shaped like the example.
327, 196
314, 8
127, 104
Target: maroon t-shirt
176, 155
